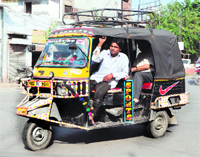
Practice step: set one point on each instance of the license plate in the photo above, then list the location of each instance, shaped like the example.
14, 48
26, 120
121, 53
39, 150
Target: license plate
22, 111
38, 84
31, 83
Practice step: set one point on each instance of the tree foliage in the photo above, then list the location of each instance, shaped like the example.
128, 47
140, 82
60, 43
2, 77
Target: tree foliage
183, 20
48, 31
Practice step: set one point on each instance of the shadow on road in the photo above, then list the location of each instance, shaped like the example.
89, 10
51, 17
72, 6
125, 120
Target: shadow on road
64, 135
191, 81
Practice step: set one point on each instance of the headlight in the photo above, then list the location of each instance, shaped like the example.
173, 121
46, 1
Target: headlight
51, 74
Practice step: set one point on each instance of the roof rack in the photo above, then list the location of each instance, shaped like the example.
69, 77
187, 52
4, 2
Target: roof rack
108, 17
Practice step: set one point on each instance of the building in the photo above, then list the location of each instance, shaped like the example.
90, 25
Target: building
56, 8
2, 42
52, 8
16, 36
22, 20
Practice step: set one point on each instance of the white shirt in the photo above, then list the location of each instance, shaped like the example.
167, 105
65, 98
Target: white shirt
145, 58
118, 66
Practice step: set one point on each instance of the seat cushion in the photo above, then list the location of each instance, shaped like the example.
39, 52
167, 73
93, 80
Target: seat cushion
147, 85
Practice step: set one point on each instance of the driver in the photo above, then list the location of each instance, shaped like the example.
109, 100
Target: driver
113, 67
59, 57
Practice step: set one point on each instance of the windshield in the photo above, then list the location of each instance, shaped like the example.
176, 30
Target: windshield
58, 54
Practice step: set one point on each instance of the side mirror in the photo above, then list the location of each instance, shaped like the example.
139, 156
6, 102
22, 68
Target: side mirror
72, 46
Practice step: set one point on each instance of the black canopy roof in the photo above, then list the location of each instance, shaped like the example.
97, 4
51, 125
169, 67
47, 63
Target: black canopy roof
167, 56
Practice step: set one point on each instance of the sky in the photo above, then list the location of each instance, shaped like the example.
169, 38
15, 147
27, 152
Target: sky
135, 3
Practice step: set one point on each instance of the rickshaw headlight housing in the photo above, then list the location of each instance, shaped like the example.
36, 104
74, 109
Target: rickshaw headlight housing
51, 74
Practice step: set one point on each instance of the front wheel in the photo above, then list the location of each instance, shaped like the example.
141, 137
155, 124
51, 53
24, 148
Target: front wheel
158, 126
36, 136
196, 78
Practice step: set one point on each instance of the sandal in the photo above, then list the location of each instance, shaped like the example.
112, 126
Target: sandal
91, 121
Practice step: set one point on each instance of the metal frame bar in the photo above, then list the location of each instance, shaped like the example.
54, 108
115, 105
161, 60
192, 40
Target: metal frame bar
108, 20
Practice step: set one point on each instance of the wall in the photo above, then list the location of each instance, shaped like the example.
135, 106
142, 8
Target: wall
127, 6
91, 4
39, 7
4, 48
54, 8
18, 58
1, 45
17, 35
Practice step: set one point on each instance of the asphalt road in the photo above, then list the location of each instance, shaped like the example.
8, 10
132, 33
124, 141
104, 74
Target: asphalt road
182, 140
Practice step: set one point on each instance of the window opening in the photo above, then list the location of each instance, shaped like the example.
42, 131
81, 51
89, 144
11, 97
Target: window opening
68, 9
28, 7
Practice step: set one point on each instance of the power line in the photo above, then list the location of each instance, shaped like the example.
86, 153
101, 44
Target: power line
22, 16
107, 4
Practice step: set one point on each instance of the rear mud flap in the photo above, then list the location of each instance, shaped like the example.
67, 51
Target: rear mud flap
173, 120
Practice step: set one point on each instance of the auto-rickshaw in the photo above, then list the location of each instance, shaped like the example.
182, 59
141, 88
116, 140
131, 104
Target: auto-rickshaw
58, 92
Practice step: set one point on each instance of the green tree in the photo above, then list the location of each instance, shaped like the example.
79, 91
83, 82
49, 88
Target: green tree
48, 31
183, 20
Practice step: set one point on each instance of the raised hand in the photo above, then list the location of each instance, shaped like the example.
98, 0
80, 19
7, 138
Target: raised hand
101, 41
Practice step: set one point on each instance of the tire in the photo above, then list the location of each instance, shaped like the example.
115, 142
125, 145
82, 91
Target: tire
36, 136
159, 125
196, 78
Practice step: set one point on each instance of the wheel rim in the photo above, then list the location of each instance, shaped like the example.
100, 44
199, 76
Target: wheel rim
38, 134
197, 78
159, 123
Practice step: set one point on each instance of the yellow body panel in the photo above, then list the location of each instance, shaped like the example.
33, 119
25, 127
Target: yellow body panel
170, 79
62, 72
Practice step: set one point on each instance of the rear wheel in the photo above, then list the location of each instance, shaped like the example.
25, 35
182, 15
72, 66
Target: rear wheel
196, 78
158, 126
36, 136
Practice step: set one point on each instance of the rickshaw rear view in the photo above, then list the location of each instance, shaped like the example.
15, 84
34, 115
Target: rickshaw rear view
58, 88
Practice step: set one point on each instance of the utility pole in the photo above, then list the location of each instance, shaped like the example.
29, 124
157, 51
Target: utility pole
180, 32
180, 29
138, 10
151, 5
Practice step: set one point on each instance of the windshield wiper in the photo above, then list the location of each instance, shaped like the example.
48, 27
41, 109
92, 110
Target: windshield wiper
43, 62
82, 52
37, 66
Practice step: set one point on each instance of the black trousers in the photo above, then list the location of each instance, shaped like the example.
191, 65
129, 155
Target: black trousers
138, 79
100, 90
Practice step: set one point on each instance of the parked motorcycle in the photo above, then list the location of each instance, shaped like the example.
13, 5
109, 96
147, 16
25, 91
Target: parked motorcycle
22, 73
196, 75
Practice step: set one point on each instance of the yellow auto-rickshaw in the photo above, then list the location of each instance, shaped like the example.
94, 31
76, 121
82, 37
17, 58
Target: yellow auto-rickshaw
58, 88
